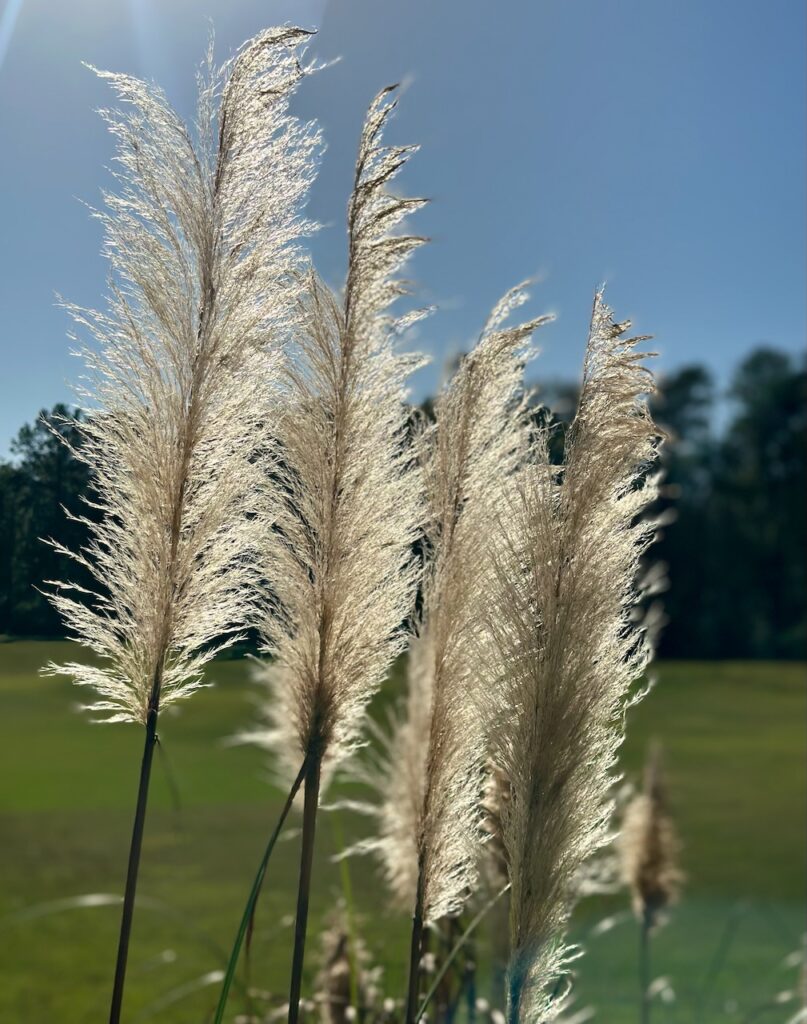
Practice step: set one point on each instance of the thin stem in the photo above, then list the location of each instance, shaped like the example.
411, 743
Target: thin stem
253, 896
415, 950
470, 987
312, 779
444, 993
515, 983
474, 924
500, 932
644, 969
347, 893
134, 864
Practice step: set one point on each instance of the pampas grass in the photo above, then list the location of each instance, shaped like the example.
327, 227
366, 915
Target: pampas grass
202, 237
431, 810
649, 849
255, 464
563, 652
338, 553
428, 773
346, 986
431, 784
202, 242
649, 846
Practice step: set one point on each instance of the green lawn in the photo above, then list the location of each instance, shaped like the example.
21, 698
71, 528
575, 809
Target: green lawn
735, 749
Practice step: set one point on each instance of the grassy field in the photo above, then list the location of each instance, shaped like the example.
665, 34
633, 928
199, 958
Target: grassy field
735, 749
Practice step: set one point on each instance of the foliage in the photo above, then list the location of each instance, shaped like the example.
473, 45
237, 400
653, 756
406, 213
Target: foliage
43, 480
734, 487
738, 578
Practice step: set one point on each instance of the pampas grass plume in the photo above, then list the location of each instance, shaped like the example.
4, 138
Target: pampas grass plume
563, 653
202, 241
202, 238
338, 545
338, 542
649, 847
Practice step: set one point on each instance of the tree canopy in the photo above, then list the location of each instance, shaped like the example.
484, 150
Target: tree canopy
735, 495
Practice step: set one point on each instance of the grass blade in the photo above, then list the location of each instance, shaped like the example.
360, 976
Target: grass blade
253, 897
179, 993
347, 895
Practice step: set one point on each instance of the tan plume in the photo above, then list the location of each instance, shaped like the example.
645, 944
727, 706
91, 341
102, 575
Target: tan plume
562, 653
346, 986
338, 553
430, 816
202, 237
650, 848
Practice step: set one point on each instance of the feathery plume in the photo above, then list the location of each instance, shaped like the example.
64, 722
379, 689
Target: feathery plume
339, 555
434, 772
479, 435
649, 847
431, 814
346, 986
202, 239
562, 653
428, 772
341, 576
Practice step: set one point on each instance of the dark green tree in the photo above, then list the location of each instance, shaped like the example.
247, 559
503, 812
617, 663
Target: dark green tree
683, 407
43, 481
734, 550
760, 504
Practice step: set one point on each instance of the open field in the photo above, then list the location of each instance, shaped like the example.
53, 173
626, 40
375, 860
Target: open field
735, 750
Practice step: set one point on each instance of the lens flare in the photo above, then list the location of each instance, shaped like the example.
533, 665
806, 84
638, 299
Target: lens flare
8, 19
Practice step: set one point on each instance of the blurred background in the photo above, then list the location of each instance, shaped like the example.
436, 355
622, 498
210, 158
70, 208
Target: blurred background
657, 147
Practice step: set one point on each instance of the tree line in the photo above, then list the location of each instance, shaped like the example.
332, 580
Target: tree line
734, 503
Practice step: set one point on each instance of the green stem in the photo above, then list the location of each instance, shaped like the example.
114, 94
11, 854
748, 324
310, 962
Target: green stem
415, 952
470, 987
644, 969
253, 896
312, 780
347, 892
134, 865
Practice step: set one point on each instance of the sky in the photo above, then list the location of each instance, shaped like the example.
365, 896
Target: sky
657, 147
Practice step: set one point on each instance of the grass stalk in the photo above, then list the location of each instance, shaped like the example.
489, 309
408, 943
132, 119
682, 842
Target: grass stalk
470, 988
347, 894
312, 780
134, 858
415, 952
717, 963
253, 896
515, 985
644, 969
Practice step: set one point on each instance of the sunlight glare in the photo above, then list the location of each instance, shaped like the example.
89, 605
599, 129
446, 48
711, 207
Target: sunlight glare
7, 21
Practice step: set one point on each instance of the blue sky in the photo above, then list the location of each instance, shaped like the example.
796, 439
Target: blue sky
657, 146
